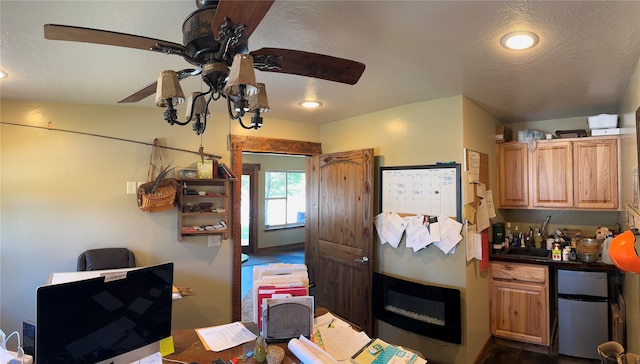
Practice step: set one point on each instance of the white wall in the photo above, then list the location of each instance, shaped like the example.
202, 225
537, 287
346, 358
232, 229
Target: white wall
62, 193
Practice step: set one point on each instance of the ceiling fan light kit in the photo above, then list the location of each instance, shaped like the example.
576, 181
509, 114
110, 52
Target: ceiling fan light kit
215, 40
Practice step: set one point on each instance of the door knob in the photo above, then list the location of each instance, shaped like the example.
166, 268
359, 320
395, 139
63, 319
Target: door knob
364, 260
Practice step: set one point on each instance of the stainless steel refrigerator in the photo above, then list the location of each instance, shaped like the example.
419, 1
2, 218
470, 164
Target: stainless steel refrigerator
583, 313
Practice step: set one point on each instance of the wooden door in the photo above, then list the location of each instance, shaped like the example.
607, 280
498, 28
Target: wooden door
596, 173
519, 311
513, 175
339, 233
552, 174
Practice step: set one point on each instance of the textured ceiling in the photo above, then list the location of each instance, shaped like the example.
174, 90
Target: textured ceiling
413, 51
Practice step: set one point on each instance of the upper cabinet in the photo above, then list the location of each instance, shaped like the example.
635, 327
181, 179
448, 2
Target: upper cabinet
595, 168
513, 174
552, 175
580, 173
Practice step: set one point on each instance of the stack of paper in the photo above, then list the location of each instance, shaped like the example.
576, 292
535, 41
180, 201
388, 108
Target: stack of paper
279, 281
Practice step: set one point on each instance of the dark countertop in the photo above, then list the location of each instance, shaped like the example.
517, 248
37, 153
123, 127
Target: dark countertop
571, 265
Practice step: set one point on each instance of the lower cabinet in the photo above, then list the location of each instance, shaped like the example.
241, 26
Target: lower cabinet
520, 302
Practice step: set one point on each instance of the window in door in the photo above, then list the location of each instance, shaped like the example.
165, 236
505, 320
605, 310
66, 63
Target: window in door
284, 199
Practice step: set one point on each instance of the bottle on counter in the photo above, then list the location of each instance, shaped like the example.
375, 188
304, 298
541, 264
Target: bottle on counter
508, 233
550, 242
565, 253
556, 253
572, 254
516, 237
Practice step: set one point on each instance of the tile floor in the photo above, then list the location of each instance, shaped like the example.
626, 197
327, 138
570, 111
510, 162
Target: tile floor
496, 354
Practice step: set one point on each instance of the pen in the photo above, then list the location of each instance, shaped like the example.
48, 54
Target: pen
333, 319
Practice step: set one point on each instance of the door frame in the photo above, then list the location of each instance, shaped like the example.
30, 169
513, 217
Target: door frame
240, 144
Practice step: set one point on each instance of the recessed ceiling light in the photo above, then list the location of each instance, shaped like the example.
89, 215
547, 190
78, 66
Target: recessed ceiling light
309, 104
519, 40
3, 74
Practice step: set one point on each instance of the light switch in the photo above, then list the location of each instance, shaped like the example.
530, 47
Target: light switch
131, 188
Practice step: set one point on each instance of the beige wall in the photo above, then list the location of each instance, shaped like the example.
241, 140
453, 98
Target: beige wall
630, 103
279, 237
419, 134
62, 193
479, 135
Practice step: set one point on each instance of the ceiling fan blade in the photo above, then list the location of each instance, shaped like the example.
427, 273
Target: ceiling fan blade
150, 89
97, 36
247, 13
308, 64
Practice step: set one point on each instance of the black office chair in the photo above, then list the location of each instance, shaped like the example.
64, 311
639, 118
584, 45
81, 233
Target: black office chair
106, 258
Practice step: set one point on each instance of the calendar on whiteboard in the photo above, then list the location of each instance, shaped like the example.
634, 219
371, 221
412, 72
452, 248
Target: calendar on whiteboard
431, 190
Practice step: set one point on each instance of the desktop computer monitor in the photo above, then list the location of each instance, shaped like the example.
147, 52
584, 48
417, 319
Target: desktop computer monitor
115, 318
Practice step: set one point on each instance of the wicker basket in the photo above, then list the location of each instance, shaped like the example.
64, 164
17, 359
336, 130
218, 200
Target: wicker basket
163, 198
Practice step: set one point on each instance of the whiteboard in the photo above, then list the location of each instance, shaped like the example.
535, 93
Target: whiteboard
431, 190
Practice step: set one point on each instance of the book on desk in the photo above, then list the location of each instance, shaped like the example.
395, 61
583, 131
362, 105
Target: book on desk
378, 351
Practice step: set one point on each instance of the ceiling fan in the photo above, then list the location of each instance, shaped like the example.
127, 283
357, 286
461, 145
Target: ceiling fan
215, 38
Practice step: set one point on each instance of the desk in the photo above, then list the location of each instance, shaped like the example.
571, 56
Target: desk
189, 349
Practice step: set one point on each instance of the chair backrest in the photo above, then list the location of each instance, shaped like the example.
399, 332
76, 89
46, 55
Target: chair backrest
106, 258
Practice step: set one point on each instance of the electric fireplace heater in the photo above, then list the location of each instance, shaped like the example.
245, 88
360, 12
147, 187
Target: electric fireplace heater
426, 310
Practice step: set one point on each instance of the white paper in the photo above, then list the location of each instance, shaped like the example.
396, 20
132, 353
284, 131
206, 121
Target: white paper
482, 216
468, 189
329, 319
449, 234
309, 352
480, 189
342, 343
418, 236
477, 244
470, 236
390, 227
473, 165
155, 358
434, 230
490, 206
218, 338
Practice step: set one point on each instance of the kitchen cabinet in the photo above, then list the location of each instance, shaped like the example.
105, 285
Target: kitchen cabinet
520, 302
204, 207
575, 173
513, 174
595, 168
552, 174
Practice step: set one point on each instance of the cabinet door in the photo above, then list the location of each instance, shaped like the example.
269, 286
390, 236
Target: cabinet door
513, 177
552, 174
520, 311
596, 173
